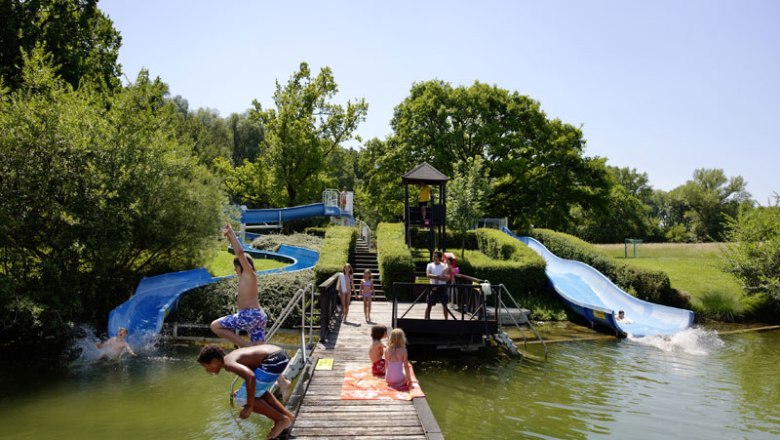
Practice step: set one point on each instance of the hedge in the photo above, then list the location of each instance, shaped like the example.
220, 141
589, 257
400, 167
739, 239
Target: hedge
334, 254
395, 258
649, 285
519, 277
420, 238
316, 231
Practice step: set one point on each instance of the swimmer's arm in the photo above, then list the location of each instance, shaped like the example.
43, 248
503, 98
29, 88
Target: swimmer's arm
407, 370
237, 248
249, 377
130, 350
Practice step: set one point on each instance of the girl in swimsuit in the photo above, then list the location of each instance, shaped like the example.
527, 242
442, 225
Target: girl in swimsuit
367, 292
398, 374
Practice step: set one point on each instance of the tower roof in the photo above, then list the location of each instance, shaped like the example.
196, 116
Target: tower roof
424, 173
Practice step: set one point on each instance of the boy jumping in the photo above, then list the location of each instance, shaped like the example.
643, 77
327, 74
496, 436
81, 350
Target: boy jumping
259, 366
250, 316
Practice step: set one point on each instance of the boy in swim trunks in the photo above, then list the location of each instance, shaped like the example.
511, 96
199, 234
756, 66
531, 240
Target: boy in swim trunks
259, 366
250, 316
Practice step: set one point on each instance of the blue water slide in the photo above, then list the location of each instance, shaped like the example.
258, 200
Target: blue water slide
280, 215
593, 296
144, 312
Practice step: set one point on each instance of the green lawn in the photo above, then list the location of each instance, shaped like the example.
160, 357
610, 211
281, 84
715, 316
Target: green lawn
222, 264
693, 268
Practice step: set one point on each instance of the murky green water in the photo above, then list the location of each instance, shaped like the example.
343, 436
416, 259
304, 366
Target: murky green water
696, 386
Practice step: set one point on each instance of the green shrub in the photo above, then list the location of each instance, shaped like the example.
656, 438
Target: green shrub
395, 258
649, 285
271, 242
334, 253
519, 277
421, 237
207, 303
316, 231
720, 306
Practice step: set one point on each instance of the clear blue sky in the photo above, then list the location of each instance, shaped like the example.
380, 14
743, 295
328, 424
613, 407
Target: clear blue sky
664, 86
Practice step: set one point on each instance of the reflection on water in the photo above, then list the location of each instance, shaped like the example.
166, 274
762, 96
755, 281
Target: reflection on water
694, 385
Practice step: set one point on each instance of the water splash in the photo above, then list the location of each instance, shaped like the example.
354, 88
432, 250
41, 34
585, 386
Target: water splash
694, 340
84, 351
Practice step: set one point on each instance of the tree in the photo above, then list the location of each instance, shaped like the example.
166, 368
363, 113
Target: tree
80, 38
753, 253
303, 131
97, 191
707, 200
536, 166
468, 191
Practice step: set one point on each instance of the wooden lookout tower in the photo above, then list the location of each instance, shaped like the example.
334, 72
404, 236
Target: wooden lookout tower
435, 213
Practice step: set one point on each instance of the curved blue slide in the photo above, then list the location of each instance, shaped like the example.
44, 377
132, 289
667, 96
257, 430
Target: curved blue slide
279, 215
592, 295
143, 314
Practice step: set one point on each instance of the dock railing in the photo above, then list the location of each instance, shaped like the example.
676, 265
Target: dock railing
328, 300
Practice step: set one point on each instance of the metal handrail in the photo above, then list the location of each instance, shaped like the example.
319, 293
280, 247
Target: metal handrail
504, 290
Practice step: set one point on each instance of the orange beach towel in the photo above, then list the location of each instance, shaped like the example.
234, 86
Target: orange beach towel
360, 384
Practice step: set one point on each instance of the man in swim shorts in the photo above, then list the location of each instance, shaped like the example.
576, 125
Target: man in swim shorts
259, 366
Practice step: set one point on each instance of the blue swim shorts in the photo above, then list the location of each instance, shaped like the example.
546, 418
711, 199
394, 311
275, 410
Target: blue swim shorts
251, 320
265, 375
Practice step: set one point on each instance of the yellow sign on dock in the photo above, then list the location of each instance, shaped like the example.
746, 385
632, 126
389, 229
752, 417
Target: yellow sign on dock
324, 364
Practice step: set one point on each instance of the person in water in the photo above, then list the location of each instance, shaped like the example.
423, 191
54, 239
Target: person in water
622, 317
115, 347
259, 366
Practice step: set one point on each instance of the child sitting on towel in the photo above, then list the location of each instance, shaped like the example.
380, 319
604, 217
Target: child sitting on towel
377, 350
398, 374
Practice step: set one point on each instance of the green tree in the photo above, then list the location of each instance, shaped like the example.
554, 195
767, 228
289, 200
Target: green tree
97, 191
247, 137
80, 38
536, 165
467, 192
753, 253
707, 200
303, 130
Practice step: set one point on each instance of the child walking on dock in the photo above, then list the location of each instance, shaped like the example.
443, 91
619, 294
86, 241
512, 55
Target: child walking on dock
367, 293
377, 350
399, 374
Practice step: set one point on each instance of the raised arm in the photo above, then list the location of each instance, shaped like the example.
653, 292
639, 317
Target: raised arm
227, 231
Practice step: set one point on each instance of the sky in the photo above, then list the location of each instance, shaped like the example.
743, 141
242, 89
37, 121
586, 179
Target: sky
665, 87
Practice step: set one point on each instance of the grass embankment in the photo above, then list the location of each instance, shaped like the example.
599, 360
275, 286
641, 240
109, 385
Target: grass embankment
696, 269
222, 264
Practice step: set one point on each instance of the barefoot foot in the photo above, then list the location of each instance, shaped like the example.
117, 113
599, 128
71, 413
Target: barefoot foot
279, 427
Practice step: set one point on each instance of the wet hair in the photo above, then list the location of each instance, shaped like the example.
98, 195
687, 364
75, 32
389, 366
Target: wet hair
397, 339
367, 271
237, 262
349, 266
378, 332
209, 353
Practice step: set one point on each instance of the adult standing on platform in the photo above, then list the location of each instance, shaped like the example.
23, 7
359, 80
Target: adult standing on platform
435, 271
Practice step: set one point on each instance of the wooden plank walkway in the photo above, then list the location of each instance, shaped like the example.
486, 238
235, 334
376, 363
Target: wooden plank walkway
322, 413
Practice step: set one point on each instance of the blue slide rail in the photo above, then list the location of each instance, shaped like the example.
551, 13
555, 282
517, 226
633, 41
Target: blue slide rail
280, 215
144, 312
593, 296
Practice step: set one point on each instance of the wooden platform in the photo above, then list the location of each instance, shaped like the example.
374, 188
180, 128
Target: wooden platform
322, 413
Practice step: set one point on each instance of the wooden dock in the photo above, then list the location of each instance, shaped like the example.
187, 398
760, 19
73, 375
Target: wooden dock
322, 413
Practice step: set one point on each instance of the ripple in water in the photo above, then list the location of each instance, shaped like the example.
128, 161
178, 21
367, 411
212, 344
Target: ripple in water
694, 340
84, 352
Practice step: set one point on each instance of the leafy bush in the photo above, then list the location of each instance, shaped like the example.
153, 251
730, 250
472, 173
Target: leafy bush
334, 253
316, 231
519, 277
271, 242
649, 285
395, 258
720, 306
420, 239
207, 303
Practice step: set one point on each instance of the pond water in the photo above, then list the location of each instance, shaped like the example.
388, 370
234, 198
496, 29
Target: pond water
696, 386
